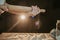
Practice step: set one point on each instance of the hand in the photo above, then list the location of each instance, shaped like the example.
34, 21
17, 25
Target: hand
3, 8
1, 11
36, 10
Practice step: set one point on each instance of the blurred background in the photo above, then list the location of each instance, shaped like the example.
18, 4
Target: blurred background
42, 23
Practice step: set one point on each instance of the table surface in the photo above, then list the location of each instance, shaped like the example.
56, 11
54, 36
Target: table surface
25, 36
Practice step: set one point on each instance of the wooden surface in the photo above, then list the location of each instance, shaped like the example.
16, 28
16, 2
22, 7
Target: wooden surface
25, 36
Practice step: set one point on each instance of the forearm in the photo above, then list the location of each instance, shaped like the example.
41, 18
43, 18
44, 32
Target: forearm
18, 9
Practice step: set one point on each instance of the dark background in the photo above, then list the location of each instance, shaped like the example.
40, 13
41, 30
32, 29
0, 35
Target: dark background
48, 19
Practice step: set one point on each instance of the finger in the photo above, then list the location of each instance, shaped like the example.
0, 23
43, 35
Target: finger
1, 11
43, 10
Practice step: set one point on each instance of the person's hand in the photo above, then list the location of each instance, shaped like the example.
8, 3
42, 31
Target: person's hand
1, 11
3, 8
36, 10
